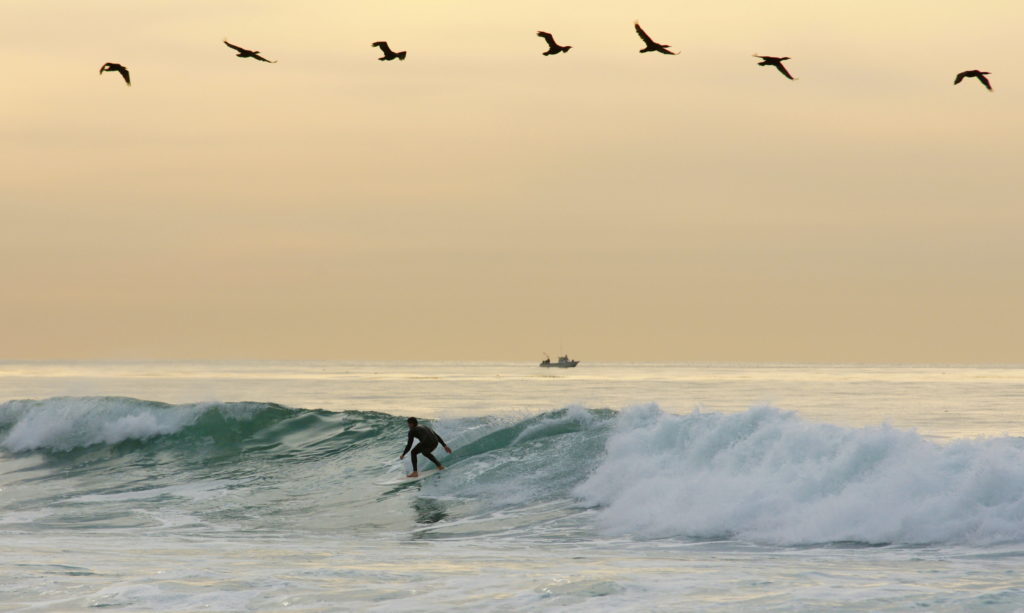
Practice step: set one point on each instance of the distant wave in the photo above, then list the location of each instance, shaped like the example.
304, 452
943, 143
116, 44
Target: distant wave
60, 425
63, 424
768, 476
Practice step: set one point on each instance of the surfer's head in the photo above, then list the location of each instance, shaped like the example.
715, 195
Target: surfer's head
413, 422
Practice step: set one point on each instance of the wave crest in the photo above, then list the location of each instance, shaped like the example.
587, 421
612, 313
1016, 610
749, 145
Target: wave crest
768, 476
64, 424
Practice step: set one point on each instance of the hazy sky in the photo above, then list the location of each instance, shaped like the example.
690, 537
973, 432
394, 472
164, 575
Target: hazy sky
482, 201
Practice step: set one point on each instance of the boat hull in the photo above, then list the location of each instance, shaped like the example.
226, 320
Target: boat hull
567, 364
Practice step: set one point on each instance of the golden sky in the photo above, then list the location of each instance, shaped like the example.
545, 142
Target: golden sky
482, 201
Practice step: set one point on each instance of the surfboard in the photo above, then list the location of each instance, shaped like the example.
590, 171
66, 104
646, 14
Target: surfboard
402, 479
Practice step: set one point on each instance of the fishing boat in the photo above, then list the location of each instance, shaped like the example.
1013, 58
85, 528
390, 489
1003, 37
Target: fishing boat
563, 362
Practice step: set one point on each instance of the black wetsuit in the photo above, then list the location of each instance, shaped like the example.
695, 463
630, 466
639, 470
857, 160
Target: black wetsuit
428, 442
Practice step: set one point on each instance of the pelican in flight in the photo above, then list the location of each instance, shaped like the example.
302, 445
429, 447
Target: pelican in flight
553, 47
388, 53
247, 53
651, 45
767, 60
112, 67
978, 74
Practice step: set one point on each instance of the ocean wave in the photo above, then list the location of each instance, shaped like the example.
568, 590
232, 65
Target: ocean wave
768, 476
532, 460
764, 476
68, 423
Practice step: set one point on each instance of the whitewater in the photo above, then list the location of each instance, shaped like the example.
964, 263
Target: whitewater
256, 486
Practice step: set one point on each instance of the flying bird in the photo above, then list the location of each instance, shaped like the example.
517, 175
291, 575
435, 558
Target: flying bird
651, 45
388, 53
767, 60
112, 67
247, 53
978, 74
553, 47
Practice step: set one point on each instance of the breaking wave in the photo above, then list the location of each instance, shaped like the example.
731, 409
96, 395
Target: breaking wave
768, 476
762, 476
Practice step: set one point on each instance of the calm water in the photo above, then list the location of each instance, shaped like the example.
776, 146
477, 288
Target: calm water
256, 486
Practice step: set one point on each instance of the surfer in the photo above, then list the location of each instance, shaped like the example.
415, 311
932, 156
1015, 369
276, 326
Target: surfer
428, 442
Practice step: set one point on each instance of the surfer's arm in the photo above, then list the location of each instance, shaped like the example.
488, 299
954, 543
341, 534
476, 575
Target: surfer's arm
447, 449
408, 445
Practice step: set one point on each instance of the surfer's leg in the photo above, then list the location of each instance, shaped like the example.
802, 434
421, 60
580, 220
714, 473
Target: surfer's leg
412, 457
426, 453
431, 457
418, 449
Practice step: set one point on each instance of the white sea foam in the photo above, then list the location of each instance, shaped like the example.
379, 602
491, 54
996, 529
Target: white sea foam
768, 476
61, 424
23, 517
194, 491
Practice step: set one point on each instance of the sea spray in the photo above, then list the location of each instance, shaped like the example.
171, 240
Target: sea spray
769, 477
62, 424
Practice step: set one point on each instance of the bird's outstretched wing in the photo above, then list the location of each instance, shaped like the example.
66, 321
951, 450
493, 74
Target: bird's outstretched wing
959, 77
237, 48
263, 59
643, 35
112, 67
984, 81
547, 37
783, 70
383, 45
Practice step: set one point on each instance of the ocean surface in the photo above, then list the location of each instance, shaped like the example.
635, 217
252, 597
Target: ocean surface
262, 486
